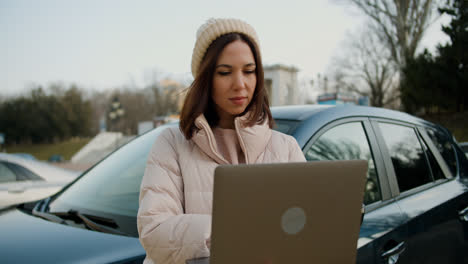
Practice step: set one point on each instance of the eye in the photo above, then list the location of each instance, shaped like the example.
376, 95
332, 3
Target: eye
249, 71
223, 73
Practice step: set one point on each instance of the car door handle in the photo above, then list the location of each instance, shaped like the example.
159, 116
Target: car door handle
463, 214
391, 256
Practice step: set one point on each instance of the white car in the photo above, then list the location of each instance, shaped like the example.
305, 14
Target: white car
23, 180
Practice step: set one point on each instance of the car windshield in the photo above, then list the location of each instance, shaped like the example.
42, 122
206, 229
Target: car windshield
113, 185
286, 126
111, 189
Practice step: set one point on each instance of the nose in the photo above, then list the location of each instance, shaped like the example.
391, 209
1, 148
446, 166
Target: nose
238, 81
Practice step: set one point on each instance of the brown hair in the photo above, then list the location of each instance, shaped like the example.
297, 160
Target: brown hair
198, 100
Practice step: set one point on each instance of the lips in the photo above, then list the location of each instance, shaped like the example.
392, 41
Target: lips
240, 100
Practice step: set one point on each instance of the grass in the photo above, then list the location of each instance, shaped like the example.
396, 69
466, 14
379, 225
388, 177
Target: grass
43, 151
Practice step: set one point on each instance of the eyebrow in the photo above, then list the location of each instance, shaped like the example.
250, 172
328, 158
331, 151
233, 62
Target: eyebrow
229, 66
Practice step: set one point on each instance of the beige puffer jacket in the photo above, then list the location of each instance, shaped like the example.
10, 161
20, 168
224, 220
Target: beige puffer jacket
174, 217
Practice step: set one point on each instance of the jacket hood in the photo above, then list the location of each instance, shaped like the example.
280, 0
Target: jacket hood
252, 139
48, 242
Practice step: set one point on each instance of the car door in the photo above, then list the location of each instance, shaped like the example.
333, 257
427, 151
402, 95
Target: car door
429, 193
382, 229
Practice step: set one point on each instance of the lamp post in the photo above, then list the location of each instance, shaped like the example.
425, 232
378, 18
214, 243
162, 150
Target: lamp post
116, 111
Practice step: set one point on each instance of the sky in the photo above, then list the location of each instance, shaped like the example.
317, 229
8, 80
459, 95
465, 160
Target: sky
105, 44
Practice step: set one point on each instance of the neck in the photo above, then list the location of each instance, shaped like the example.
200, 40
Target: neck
226, 120
226, 123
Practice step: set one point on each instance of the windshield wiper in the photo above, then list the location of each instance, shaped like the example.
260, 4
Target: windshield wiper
40, 210
95, 226
47, 216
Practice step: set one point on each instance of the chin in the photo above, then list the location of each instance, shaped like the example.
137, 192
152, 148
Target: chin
237, 111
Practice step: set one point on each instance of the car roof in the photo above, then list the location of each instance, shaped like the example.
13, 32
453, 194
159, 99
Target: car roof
303, 112
297, 112
313, 117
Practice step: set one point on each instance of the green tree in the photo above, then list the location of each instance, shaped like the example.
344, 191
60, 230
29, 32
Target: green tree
438, 83
453, 56
77, 111
43, 117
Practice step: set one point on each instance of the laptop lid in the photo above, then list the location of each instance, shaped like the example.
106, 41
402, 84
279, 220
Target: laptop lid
306, 212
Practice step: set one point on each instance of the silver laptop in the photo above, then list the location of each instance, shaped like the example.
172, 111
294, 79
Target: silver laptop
287, 213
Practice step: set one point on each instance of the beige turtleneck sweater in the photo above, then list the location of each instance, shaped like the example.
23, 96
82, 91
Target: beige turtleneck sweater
228, 145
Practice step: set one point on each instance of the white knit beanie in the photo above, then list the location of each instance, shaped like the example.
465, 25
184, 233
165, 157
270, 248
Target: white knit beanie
213, 29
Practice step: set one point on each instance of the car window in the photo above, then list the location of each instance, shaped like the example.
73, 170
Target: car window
24, 174
113, 185
285, 126
442, 142
408, 157
6, 175
437, 172
347, 142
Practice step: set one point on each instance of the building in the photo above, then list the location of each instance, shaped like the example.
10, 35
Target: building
176, 91
281, 85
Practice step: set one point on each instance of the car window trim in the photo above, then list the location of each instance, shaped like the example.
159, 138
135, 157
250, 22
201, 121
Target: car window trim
389, 169
385, 188
433, 149
421, 188
378, 204
378, 160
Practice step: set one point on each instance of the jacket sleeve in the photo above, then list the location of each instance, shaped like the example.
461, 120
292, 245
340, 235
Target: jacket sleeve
166, 233
295, 152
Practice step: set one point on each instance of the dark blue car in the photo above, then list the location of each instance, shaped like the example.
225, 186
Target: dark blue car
416, 196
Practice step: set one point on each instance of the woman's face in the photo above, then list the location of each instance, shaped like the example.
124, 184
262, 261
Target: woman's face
234, 81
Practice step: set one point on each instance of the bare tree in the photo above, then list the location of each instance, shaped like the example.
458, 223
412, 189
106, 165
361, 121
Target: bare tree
167, 97
138, 107
366, 67
400, 24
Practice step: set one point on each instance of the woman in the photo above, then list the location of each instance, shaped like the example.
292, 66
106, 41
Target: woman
225, 120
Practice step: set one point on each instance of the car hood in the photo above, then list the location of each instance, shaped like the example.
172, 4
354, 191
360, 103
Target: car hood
29, 239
